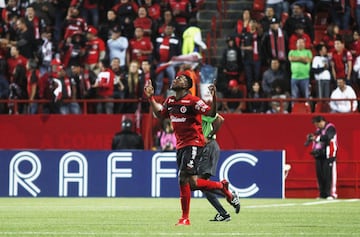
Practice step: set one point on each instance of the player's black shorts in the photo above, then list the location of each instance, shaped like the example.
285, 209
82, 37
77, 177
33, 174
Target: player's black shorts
209, 159
188, 158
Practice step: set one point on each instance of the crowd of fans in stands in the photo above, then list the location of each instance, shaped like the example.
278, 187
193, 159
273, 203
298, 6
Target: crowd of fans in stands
56, 54
293, 49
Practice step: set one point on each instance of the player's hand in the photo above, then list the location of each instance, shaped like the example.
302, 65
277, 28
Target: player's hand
212, 89
148, 89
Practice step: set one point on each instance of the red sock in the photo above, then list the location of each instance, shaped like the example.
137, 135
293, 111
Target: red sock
185, 195
208, 184
228, 195
211, 185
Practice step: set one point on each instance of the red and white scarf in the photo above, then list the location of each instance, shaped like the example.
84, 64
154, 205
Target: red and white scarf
280, 43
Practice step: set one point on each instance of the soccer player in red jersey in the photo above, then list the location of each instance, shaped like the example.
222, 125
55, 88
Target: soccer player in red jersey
184, 111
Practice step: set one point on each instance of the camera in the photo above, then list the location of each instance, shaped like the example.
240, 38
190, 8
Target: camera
318, 153
309, 139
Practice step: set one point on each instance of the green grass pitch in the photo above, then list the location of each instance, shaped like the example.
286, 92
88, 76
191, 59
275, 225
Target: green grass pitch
157, 216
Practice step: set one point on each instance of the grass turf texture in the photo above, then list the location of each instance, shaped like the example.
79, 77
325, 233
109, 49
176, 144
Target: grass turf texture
156, 217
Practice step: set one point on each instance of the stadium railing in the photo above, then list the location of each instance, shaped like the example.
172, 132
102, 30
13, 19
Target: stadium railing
313, 105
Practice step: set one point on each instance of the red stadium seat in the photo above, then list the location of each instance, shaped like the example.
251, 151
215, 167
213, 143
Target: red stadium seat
322, 107
301, 108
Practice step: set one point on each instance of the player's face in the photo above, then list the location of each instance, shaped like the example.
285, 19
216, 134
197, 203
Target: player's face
179, 83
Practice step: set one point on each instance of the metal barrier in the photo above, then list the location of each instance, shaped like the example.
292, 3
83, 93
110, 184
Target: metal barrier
85, 104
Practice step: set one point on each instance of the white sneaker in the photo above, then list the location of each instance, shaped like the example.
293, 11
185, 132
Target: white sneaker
330, 198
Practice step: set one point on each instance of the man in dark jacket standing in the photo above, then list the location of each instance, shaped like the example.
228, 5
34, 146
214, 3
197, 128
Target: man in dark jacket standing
127, 138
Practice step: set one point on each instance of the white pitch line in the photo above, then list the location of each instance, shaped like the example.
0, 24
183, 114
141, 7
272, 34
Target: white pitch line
271, 205
320, 202
352, 200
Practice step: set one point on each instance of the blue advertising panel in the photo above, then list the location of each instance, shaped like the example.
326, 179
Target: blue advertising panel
59, 173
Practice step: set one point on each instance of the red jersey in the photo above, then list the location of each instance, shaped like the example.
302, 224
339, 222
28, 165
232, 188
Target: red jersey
74, 25
164, 49
185, 115
341, 63
13, 62
154, 11
137, 45
355, 46
145, 23
105, 81
184, 9
94, 47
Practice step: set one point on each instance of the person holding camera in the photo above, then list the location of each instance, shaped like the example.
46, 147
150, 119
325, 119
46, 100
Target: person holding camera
324, 149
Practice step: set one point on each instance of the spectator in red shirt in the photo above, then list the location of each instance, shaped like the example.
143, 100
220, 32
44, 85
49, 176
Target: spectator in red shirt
95, 50
143, 21
74, 23
15, 59
341, 61
153, 9
167, 18
105, 88
140, 47
299, 33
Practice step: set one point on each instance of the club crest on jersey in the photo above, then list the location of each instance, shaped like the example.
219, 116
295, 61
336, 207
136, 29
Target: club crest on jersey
183, 109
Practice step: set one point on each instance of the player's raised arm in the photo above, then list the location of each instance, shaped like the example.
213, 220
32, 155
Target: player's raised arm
149, 92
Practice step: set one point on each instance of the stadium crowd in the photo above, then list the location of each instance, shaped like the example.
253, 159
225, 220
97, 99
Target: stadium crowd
67, 51
294, 49
55, 54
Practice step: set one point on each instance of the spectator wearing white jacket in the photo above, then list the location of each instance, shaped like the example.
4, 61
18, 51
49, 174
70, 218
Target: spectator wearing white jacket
343, 91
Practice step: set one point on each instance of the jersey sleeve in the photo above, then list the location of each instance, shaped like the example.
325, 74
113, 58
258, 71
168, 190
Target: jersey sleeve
200, 106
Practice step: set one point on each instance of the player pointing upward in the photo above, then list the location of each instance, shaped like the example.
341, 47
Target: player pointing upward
184, 111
